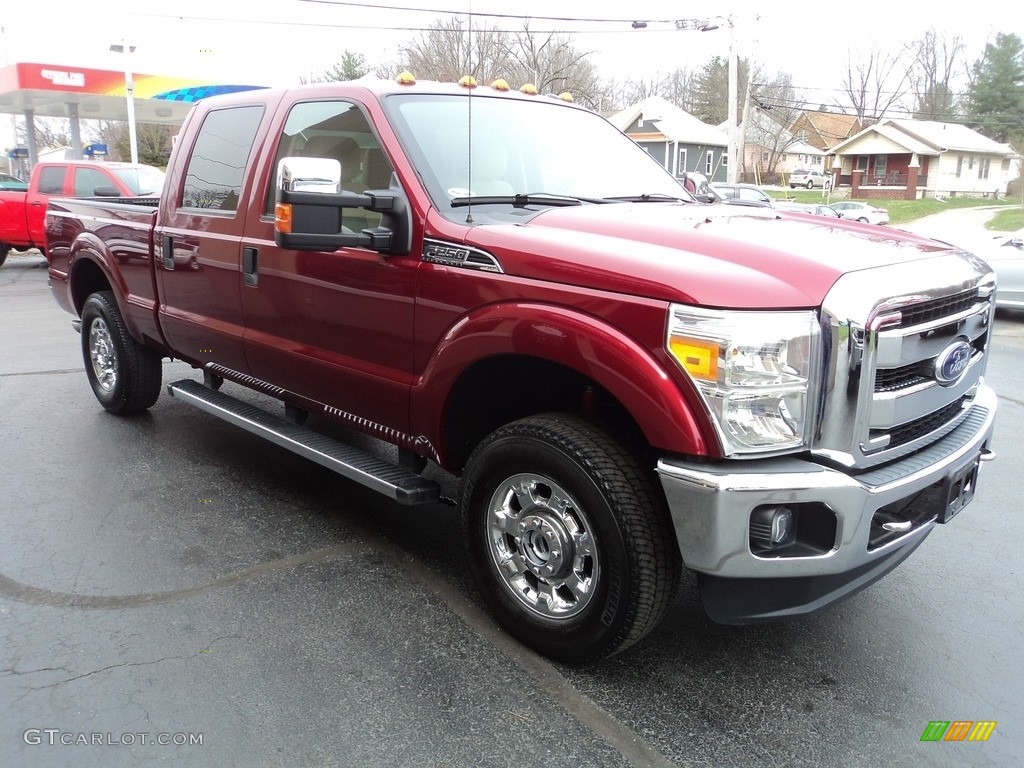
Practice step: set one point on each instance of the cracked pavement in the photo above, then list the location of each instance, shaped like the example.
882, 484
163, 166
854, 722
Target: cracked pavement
168, 573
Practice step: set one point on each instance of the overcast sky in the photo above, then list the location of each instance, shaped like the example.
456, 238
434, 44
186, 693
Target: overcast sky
274, 42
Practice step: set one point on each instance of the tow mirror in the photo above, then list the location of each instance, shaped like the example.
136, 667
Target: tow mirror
106, 192
309, 204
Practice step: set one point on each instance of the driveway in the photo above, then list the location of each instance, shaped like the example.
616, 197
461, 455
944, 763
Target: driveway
964, 227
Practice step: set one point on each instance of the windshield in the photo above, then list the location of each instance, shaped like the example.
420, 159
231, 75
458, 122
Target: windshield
537, 147
142, 180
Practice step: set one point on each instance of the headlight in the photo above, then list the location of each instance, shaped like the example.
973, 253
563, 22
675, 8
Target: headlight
757, 372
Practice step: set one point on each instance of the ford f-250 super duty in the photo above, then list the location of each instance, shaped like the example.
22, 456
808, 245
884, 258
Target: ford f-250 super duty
626, 382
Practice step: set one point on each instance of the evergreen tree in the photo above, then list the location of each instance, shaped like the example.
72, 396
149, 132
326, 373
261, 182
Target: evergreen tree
995, 101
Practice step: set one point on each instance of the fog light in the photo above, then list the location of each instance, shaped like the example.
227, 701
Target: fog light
772, 528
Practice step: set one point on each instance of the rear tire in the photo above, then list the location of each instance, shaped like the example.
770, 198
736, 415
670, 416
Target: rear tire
569, 537
124, 375
4, 250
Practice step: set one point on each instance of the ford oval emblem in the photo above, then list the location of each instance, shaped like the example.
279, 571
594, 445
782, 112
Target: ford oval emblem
951, 364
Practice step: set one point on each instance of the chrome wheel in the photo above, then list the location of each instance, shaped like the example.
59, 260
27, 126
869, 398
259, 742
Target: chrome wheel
543, 547
103, 355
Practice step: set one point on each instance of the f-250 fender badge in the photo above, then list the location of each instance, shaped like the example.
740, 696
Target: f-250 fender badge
951, 363
453, 255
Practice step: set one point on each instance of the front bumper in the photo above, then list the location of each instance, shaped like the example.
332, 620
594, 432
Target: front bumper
711, 507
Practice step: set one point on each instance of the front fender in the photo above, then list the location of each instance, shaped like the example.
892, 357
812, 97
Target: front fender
573, 339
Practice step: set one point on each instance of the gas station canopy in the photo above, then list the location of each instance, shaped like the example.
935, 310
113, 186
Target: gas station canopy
36, 90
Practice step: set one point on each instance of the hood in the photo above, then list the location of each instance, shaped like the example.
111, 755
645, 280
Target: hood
709, 255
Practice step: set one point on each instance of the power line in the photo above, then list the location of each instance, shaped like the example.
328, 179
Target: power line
631, 21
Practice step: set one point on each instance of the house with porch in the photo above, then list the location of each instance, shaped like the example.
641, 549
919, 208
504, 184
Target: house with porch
675, 138
911, 159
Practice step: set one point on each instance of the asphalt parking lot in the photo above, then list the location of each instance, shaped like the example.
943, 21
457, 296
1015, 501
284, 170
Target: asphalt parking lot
170, 578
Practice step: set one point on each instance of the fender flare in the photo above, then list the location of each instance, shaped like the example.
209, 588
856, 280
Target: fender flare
628, 371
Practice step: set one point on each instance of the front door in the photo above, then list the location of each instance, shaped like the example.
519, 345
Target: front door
334, 327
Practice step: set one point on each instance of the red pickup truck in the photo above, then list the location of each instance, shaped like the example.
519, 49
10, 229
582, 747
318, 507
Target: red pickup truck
625, 381
22, 212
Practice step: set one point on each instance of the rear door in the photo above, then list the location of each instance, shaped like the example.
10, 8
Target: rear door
335, 327
198, 242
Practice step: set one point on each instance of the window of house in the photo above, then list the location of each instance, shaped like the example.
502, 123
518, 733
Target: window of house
765, 157
959, 165
1005, 166
983, 167
709, 163
880, 161
681, 161
970, 163
862, 162
815, 159
213, 179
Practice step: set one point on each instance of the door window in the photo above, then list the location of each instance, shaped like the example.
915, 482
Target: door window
88, 179
51, 180
216, 168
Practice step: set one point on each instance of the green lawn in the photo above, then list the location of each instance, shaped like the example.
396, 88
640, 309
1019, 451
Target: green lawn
900, 211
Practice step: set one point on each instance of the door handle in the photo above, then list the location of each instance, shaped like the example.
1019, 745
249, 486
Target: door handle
250, 266
168, 252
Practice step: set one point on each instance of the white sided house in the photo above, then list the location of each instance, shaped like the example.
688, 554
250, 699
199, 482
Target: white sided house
911, 159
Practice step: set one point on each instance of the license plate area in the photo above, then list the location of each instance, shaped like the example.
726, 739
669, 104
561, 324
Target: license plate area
958, 490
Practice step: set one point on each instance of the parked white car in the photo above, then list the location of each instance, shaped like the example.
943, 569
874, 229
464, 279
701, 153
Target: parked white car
806, 178
1005, 254
854, 209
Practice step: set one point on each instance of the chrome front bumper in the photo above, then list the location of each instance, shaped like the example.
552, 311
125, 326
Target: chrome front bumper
711, 506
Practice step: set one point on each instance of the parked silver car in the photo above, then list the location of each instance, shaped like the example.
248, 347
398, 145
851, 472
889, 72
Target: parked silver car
747, 194
817, 209
1005, 254
859, 211
806, 178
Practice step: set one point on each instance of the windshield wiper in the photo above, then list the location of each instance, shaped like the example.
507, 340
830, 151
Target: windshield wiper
522, 200
651, 197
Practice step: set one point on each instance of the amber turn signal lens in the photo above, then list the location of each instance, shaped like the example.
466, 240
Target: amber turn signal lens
283, 218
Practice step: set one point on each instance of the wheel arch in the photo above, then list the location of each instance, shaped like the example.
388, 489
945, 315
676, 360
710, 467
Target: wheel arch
496, 368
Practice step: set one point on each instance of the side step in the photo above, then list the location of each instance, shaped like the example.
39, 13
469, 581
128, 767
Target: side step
391, 480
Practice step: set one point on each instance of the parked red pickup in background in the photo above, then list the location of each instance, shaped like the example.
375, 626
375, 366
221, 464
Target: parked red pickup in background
22, 213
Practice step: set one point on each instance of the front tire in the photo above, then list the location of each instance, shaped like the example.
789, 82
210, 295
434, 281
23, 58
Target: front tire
4, 250
810, 184
568, 537
124, 375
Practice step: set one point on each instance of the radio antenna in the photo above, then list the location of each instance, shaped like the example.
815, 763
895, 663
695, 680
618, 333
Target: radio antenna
469, 112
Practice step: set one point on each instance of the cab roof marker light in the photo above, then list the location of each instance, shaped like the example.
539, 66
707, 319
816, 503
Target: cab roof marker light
467, 81
500, 85
529, 89
406, 78
565, 96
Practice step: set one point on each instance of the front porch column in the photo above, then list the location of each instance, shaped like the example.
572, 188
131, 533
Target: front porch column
856, 178
912, 173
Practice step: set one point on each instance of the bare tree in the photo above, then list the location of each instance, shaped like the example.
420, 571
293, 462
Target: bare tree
50, 132
153, 141
936, 59
677, 87
773, 107
449, 50
875, 84
549, 61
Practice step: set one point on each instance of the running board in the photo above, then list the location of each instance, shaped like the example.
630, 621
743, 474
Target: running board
401, 485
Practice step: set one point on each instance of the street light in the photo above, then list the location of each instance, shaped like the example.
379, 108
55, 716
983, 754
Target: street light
129, 88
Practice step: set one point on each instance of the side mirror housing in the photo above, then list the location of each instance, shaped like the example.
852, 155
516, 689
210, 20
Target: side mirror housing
308, 215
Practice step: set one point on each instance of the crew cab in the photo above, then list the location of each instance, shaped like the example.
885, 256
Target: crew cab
625, 382
22, 212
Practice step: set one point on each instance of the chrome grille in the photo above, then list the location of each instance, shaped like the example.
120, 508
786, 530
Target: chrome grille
884, 397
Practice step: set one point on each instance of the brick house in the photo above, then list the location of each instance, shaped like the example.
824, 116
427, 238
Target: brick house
910, 159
